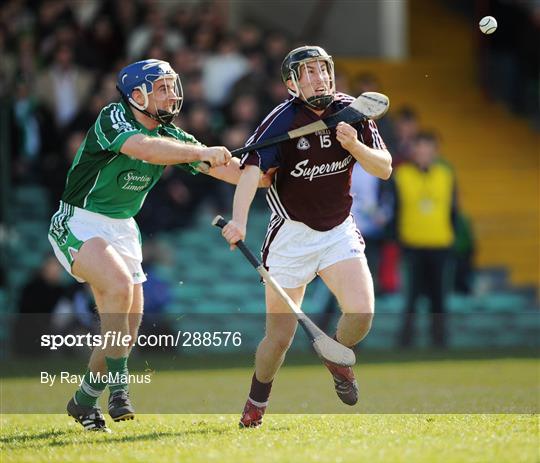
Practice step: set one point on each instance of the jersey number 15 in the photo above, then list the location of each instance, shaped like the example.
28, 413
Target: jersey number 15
326, 142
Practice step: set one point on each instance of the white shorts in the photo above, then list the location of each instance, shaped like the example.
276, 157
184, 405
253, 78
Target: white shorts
72, 226
293, 253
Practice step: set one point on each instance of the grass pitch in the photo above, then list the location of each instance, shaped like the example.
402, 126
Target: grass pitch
284, 438
374, 437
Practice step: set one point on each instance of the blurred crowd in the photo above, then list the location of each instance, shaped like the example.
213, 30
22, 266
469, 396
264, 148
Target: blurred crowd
59, 61
58, 65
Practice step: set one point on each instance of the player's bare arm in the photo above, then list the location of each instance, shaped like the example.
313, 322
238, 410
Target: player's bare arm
377, 162
168, 151
231, 173
243, 197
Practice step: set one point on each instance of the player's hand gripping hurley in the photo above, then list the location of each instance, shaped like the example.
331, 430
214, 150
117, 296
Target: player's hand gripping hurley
327, 348
369, 105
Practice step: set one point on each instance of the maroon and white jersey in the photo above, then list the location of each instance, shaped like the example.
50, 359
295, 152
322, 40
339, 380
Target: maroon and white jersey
312, 184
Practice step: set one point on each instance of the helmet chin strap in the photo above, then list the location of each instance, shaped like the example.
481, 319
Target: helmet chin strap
320, 102
316, 102
163, 117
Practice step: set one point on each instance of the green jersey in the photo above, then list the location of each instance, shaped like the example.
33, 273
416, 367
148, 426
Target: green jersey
102, 179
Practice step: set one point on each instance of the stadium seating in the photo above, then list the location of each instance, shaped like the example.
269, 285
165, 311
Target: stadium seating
218, 281
28, 245
206, 278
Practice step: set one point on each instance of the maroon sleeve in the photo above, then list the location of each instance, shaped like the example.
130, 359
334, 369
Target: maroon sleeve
369, 135
276, 123
250, 159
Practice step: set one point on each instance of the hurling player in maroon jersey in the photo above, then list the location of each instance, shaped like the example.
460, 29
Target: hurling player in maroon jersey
311, 231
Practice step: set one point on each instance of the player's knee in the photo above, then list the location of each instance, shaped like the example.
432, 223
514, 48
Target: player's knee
119, 292
365, 322
360, 321
361, 307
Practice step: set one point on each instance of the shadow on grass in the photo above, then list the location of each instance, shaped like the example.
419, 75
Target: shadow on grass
33, 437
77, 437
142, 437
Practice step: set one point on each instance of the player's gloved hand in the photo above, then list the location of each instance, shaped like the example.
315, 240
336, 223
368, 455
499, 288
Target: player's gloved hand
234, 232
216, 156
346, 134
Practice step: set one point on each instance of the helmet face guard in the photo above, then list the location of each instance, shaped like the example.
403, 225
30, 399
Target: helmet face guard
167, 91
319, 76
152, 77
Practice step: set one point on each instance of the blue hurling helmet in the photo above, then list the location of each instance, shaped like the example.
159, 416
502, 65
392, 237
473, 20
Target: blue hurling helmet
141, 76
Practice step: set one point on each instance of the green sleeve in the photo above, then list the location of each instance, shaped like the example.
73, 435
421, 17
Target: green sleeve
185, 137
113, 129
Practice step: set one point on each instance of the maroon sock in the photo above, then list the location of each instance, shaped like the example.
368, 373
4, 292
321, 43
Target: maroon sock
259, 392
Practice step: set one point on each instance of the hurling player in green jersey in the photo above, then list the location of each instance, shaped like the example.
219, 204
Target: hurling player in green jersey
94, 234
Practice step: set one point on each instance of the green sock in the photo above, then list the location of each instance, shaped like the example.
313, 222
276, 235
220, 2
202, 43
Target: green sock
118, 373
90, 389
